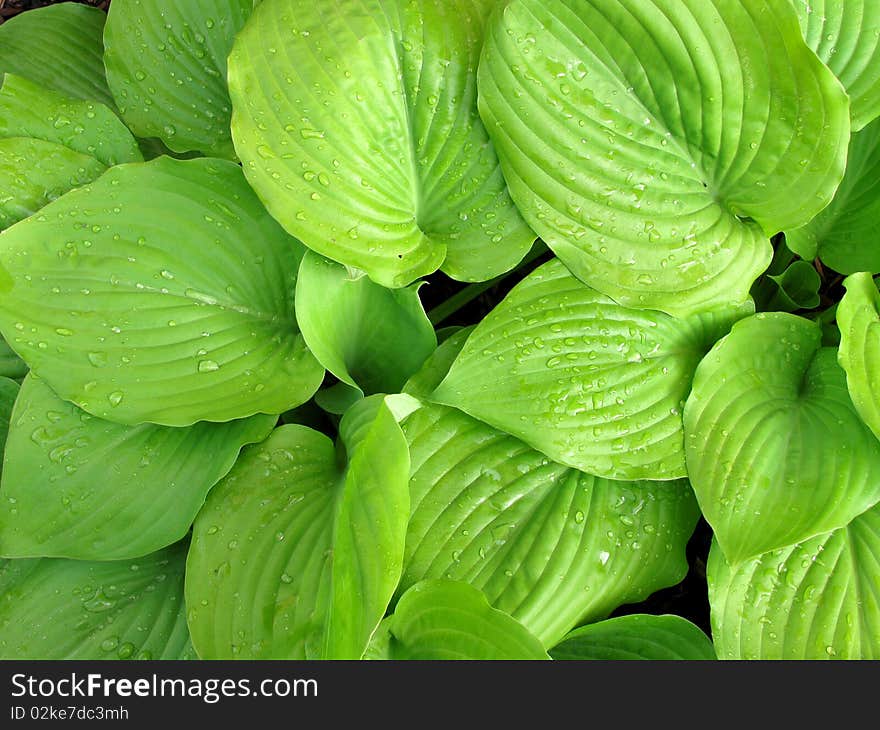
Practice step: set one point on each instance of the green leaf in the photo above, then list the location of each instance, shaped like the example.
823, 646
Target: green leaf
814, 600
166, 67
59, 498
638, 636
443, 620
338, 398
592, 384
357, 125
368, 336
436, 367
52, 608
87, 127
844, 235
776, 452
794, 287
59, 47
11, 365
8, 394
50, 143
549, 545
656, 144
297, 552
844, 34
121, 314
859, 355
34, 173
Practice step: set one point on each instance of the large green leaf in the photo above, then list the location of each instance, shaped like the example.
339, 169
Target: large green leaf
357, 124
77, 486
166, 67
549, 545
592, 384
638, 636
845, 34
776, 452
50, 143
656, 144
297, 553
448, 620
51, 608
815, 600
368, 336
120, 313
858, 317
59, 47
844, 235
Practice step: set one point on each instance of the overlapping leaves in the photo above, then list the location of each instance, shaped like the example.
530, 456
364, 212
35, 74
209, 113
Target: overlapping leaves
593, 384
532, 478
357, 124
776, 455
119, 313
656, 172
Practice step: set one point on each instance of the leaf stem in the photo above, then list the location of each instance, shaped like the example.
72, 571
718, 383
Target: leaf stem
472, 291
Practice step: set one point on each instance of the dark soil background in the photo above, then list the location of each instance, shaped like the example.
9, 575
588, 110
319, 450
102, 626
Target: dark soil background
689, 598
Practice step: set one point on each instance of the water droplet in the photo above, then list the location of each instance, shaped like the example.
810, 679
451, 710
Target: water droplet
115, 397
208, 366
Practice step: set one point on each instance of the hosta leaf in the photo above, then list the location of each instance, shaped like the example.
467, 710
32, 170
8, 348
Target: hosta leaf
338, 398
11, 365
794, 287
549, 545
815, 600
357, 124
859, 319
844, 235
87, 127
592, 384
59, 498
638, 636
8, 394
59, 47
655, 144
776, 452
443, 620
50, 143
436, 367
296, 555
845, 34
51, 608
105, 299
166, 67
34, 172
368, 336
